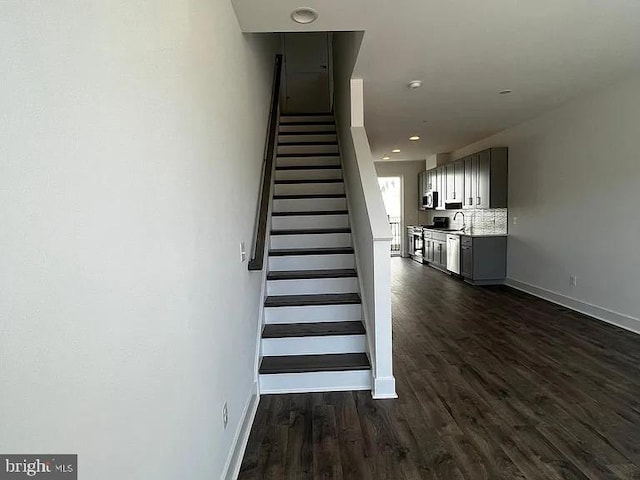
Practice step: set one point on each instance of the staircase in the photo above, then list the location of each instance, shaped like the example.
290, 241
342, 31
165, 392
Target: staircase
313, 339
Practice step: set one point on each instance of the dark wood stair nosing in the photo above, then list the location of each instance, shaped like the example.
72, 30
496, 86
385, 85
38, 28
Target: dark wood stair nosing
315, 132
293, 181
310, 167
307, 154
302, 252
323, 299
309, 231
279, 275
340, 362
313, 329
295, 196
310, 213
308, 144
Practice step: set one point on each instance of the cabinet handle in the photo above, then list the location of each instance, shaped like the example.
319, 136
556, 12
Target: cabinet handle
478, 200
470, 200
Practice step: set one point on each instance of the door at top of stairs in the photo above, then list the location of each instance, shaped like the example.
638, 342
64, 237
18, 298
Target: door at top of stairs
307, 72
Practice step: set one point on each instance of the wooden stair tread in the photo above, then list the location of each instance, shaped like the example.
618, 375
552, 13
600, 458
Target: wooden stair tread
317, 154
310, 231
320, 329
282, 252
310, 167
308, 180
315, 363
308, 132
318, 143
308, 195
309, 213
312, 300
311, 274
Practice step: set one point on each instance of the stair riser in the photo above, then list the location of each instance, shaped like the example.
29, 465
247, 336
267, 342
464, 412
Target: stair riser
310, 127
278, 347
312, 286
309, 204
316, 382
312, 262
315, 313
305, 118
300, 161
326, 137
328, 174
307, 149
311, 241
308, 188
310, 221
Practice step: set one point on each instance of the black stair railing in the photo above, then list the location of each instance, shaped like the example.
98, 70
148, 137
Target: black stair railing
256, 262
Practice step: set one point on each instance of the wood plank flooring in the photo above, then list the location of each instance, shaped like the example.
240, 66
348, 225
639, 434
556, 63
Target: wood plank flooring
492, 384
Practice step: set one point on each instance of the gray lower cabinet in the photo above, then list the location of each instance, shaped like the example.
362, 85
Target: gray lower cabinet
483, 260
435, 245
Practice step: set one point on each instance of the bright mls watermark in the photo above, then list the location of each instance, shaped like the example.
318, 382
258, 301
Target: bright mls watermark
50, 467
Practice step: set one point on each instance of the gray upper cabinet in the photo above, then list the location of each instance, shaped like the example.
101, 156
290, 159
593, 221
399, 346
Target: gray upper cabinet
422, 188
441, 184
454, 182
476, 181
468, 174
485, 179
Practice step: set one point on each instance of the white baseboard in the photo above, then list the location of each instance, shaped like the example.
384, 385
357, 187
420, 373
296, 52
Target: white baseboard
608, 316
384, 387
232, 467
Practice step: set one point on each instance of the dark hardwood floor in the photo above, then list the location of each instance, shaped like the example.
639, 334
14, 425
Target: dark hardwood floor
492, 384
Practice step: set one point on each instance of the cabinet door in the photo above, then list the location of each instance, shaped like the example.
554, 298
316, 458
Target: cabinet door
442, 248
483, 180
466, 261
430, 174
458, 181
450, 175
428, 250
468, 173
440, 187
422, 179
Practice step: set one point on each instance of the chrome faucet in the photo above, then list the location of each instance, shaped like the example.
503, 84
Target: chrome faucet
464, 224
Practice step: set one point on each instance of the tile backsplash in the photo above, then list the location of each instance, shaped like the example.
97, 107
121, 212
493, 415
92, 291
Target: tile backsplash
492, 220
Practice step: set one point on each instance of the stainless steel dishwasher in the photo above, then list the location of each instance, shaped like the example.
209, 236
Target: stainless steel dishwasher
453, 253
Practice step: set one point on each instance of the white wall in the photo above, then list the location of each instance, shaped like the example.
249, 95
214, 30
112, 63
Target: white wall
369, 224
409, 172
132, 136
574, 186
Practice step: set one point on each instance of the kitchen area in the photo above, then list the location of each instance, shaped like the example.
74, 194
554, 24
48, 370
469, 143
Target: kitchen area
465, 202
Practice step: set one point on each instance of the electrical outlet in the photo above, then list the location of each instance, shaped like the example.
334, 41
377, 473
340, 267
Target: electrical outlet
225, 415
515, 220
574, 280
243, 252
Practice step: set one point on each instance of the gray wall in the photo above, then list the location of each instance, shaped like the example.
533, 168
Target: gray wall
132, 143
408, 171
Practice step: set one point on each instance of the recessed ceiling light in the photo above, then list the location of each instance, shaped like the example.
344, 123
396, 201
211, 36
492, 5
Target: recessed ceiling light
415, 138
386, 157
505, 91
395, 150
413, 84
304, 15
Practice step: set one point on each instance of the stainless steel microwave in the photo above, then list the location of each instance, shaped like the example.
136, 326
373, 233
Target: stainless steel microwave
430, 199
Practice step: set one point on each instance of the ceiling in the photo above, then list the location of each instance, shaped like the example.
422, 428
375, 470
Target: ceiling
465, 52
